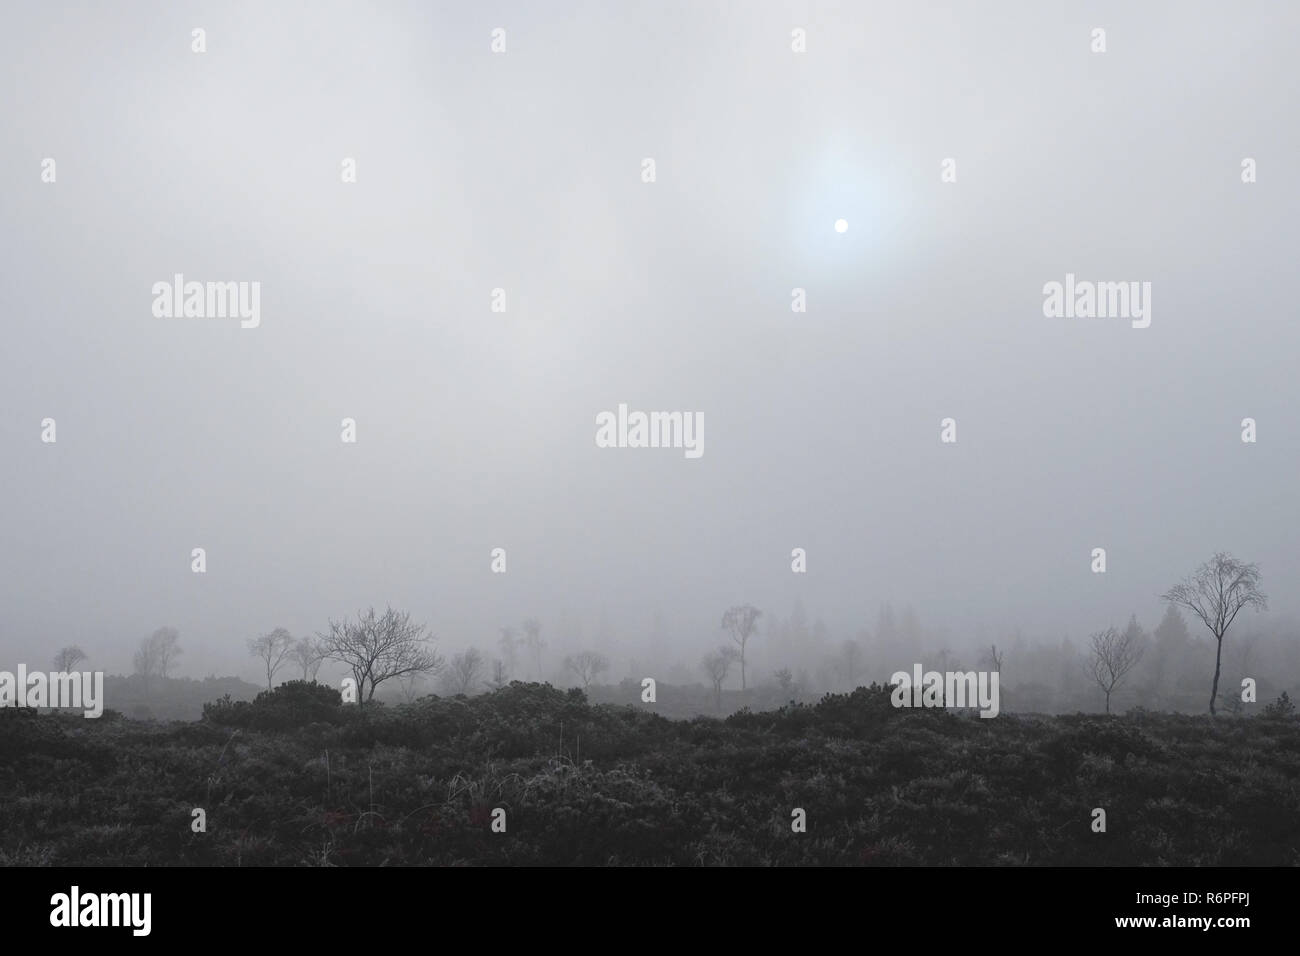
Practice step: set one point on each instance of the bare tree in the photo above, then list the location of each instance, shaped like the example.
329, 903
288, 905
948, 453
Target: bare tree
1111, 656
377, 648
587, 665
535, 644
510, 644
145, 662
740, 623
993, 658
716, 666
464, 673
68, 658
273, 650
157, 654
167, 642
307, 653
1216, 593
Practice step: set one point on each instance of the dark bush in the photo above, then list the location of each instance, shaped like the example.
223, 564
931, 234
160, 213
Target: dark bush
293, 704
1281, 708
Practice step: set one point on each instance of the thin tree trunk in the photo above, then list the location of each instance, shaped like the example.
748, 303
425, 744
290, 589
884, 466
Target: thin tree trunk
1214, 691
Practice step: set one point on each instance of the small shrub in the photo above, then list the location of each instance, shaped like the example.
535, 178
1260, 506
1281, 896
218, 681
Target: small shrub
1281, 708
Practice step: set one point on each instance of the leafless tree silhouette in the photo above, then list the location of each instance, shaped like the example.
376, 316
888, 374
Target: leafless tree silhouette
740, 623
307, 653
157, 654
273, 650
464, 673
1111, 656
68, 658
377, 648
716, 666
1216, 593
587, 665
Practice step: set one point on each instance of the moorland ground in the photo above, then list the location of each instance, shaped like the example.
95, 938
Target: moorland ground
297, 778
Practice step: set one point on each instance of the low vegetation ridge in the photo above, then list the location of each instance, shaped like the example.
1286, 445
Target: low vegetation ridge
297, 778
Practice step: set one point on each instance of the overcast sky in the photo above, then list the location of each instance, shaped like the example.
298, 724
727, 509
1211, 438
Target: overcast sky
523, 170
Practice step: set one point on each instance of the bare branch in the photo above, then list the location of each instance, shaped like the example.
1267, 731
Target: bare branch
587, 665
379, 648
1112, 655
740, 623
1216, 593
273, 650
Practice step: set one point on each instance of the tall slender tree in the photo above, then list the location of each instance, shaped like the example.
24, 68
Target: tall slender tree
273, 650
740, 623
1216, 593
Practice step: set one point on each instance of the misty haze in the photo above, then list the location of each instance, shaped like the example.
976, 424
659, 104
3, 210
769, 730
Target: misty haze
687, 433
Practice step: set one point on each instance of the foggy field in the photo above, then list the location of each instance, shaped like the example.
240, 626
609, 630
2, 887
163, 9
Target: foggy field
296, 778
727, 433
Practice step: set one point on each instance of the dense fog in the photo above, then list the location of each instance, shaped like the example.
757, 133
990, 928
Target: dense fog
501, 273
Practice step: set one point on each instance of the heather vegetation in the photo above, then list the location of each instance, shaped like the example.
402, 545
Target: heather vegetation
296, 777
